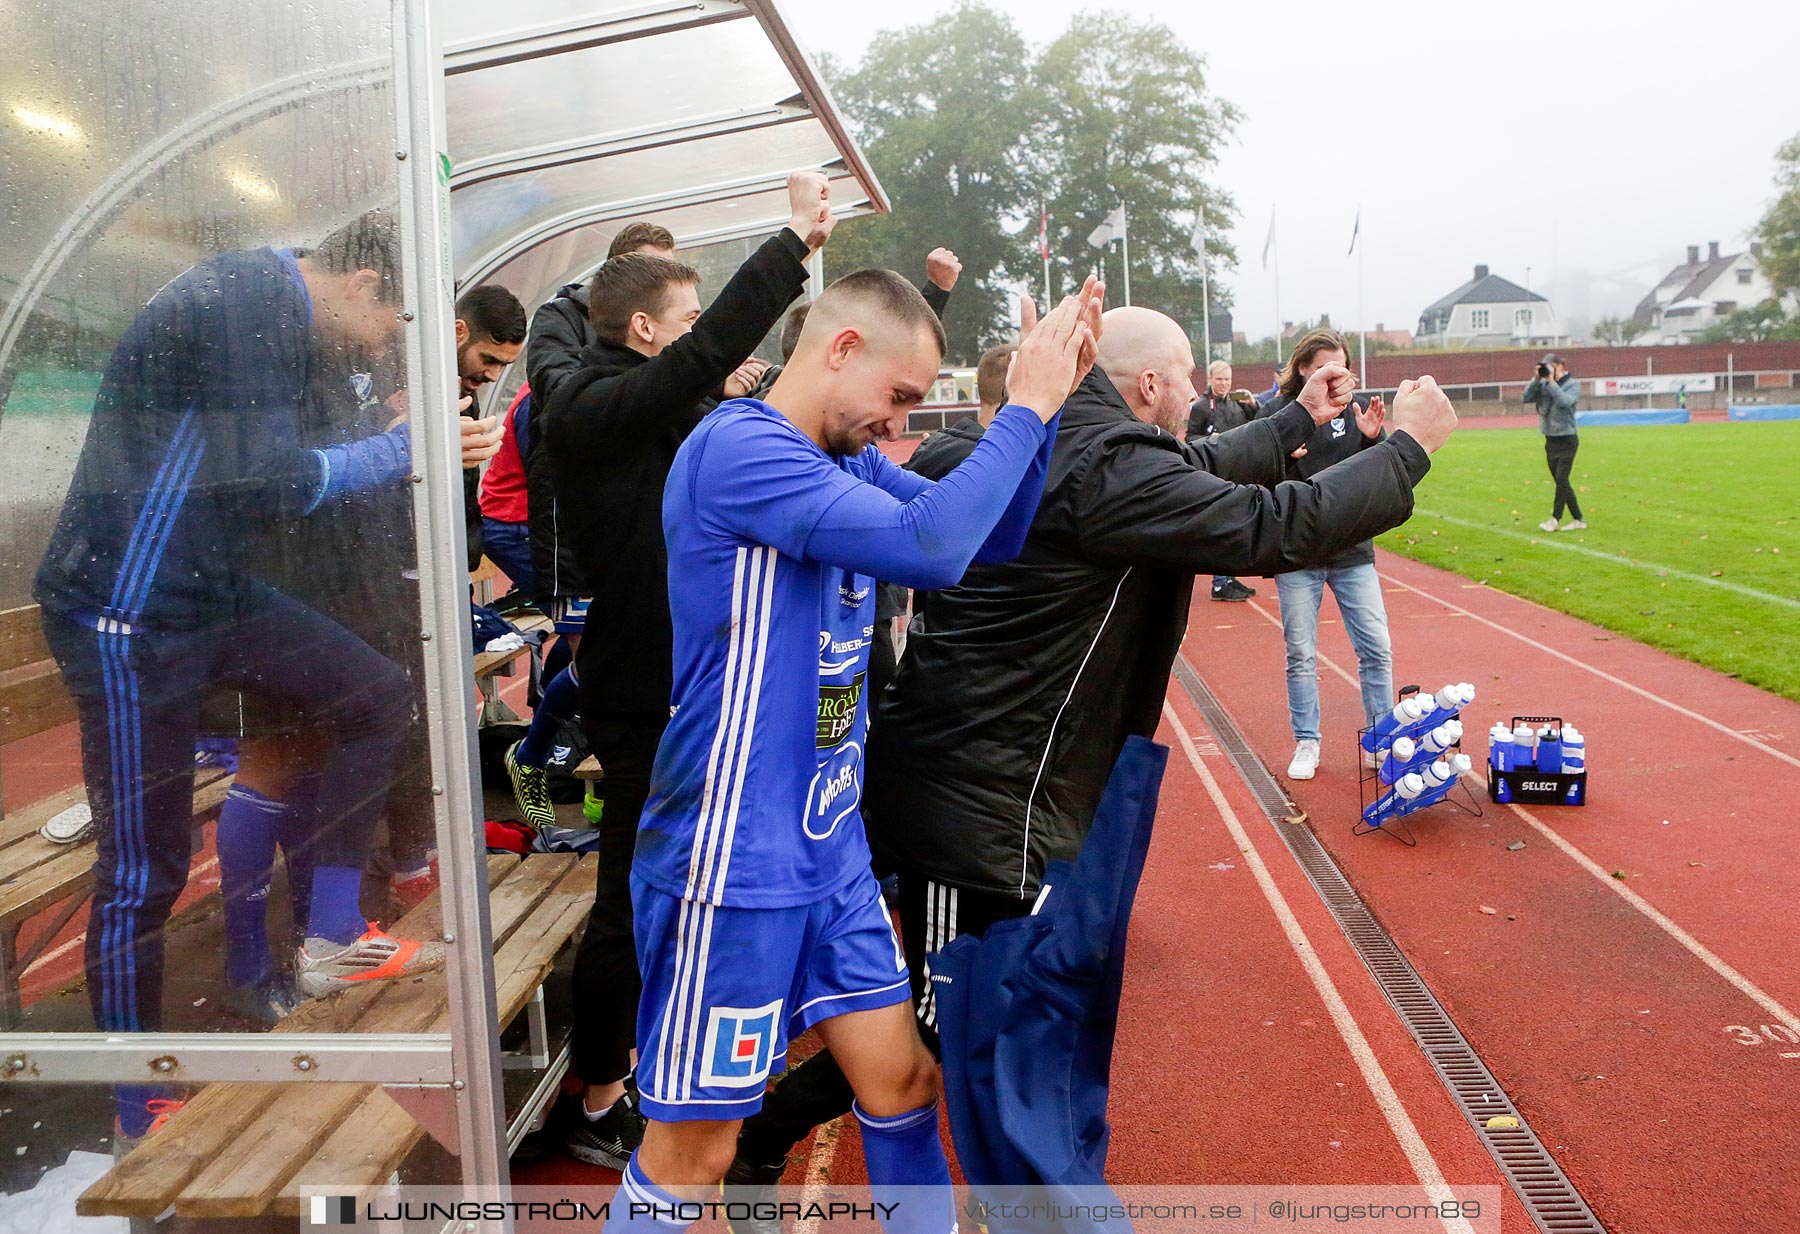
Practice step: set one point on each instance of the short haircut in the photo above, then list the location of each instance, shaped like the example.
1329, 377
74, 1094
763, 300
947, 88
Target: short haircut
634, 236
370, 241
1218, 365
791, 325
493, 313
1309, 346
990, 374
632, 283
887, 294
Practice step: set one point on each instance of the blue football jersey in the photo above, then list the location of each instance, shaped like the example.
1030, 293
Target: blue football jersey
754, 801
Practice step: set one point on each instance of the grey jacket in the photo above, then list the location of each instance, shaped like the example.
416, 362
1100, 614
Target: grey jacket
1555, 404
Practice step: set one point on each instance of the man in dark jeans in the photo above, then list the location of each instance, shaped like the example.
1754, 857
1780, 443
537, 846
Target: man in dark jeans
611, 429
1555, 392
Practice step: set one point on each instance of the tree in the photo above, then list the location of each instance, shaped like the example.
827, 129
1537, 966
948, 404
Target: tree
1779, 230
1125, 115
1755, 324
940, 111
1614, 331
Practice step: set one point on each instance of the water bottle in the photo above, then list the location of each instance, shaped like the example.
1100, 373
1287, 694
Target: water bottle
1574, 751
1399, 758
1440, 778
1404, 715
1549, 750
1450, 697
1500, 748
1524, 747
1442, 737
1403, 793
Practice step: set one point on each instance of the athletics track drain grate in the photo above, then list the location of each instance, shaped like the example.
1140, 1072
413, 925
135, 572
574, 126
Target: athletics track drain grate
1546, 1192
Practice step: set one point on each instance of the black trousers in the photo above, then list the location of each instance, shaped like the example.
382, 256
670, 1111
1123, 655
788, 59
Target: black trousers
606, 978
1560, 453
816, 1091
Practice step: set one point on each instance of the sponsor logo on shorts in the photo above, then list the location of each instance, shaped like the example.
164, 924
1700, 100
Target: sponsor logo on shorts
740, 1045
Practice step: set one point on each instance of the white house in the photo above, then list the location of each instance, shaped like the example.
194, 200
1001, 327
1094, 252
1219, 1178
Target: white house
1699, 293
1489, 311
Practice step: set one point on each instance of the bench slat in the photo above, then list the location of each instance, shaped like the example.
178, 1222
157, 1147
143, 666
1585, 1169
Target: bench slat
207, 1169
21, 637
39, 873
33, 701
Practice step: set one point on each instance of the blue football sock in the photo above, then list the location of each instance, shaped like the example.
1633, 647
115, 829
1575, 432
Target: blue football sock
336, 912
904, 1153
561, 700
298, 848
248, 825
641, 1207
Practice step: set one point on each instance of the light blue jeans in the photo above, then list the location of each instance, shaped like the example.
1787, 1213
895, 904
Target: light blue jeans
1358, 592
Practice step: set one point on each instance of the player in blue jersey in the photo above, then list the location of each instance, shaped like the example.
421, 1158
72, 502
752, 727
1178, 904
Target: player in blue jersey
154, 597
757, 914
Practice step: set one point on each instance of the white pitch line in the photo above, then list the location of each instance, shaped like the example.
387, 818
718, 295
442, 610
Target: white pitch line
1662, 921
1418, 1153
80, 937
1634, 563
1658, 699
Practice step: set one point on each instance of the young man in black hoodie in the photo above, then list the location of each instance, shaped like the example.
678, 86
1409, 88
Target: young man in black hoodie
611, 429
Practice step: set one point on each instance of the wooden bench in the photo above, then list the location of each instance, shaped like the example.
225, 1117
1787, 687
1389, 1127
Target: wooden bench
38, 875
245, 1149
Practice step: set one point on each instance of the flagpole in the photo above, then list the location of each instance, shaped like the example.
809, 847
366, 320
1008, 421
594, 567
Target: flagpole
1125, 241
1044, 249
1205, 298
1275, 233
1362, 317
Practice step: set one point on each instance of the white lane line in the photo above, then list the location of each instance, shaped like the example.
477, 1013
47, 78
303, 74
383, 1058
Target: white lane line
1658, 699
1634, 563
818, 1173
1418, 1154
1662, 921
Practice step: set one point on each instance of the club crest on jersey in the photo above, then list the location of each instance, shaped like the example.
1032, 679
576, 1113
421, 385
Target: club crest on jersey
362, 385
740, 1045
1338, 428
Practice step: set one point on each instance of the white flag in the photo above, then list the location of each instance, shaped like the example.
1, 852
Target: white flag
1110, 229
1198, 236
1270, 242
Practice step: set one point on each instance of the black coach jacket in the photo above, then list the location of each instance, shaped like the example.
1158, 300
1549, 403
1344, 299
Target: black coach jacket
611, 429
559, 334
989, 752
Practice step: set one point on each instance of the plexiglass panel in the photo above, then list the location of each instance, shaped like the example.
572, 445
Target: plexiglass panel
489, 214
213, 746
611, 91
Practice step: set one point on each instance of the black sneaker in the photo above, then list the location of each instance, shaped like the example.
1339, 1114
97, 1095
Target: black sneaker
755, 1182
608, 1140
1233, 592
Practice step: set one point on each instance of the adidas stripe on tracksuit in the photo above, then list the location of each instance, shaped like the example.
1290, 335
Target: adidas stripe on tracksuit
151, 599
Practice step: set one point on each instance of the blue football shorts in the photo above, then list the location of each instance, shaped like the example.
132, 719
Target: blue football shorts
568, 614
724, 987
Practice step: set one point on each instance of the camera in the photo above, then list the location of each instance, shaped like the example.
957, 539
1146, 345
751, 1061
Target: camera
1543, 370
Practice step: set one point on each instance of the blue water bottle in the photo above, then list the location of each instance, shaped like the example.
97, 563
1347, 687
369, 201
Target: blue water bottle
1402, 794
1500, 748
1550, 750
1402, 716
1395, 764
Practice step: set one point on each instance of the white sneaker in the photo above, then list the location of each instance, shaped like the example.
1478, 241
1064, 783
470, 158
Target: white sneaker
323, 967
1306, 760
1574, 525
1548, 524
70, 826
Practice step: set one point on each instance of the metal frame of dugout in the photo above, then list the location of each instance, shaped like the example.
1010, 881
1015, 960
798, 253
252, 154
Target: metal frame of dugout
456, 1076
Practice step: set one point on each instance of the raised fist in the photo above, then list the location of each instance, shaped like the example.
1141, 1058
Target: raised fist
1327, 392
809, 198
1423, 412
943, 267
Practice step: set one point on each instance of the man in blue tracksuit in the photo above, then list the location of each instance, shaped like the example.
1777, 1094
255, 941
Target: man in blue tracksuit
152, 599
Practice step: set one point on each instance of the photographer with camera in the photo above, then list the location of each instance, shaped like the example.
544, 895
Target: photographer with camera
1555, 391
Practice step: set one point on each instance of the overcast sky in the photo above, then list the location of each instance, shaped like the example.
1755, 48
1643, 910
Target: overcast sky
1588, 140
